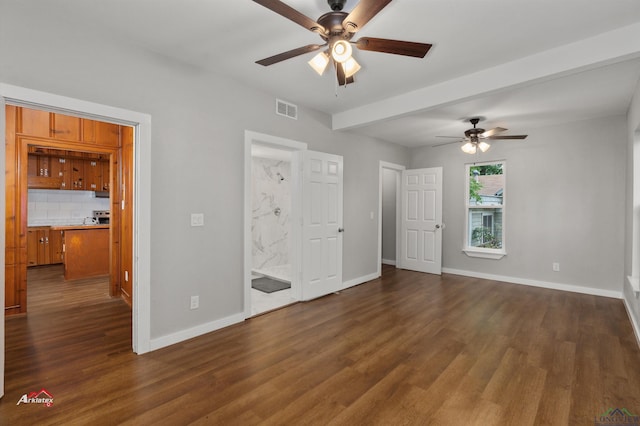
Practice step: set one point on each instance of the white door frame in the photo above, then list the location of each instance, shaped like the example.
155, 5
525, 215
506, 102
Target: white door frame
141, 315
398, 169
250, 138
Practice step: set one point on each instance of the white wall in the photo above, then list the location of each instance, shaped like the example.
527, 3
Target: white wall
198, 124
565, 192
389, 181
632, 230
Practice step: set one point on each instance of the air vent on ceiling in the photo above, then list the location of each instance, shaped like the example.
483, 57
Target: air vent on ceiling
286, 109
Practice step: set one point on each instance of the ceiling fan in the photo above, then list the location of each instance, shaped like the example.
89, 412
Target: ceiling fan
476, 137
337, 28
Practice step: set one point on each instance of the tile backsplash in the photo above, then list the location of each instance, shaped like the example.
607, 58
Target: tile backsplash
57, 207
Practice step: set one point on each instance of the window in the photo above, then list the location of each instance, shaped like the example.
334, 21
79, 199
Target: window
485, 206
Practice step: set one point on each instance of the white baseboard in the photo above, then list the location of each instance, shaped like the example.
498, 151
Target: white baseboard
180, 336
359, 280
535, 283
632, 318
388, 262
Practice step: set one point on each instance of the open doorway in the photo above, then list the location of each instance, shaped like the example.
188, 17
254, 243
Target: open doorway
139, 200
271, 228
66, 175
271, 208
390, 198
68, 230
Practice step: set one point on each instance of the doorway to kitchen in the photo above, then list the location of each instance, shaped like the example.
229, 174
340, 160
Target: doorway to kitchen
64, 176
139, 204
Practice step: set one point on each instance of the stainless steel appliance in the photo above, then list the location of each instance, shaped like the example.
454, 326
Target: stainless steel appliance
101, 216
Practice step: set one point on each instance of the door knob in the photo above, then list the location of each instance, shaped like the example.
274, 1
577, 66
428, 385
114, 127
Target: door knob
437, 226
340, 229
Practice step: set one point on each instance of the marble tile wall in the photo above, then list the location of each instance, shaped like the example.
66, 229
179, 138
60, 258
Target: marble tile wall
270, 227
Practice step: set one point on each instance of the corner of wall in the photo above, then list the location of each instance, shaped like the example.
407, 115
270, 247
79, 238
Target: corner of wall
632, 304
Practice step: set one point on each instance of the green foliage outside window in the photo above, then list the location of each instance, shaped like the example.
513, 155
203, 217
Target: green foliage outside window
482, 237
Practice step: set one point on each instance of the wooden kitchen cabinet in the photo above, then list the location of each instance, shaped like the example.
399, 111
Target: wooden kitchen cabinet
33, 122
77, 174
44, 246
69, 128
40, 174
65, 127
56, 249
100, 133
93, 175
63, 170
87, 251
106, 175
60, 167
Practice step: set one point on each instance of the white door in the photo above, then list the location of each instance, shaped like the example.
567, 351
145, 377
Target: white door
321, 224
421, 221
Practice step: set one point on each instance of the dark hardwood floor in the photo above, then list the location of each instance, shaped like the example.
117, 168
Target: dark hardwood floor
408, 348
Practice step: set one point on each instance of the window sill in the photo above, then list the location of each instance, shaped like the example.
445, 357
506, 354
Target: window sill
485, 254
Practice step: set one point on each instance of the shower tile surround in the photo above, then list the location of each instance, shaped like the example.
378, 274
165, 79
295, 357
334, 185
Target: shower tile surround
59, 207
270, 226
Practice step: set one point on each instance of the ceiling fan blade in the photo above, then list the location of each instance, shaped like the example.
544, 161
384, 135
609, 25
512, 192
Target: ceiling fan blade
508, 137
342, 79
493, 131
362, 13
396, 47
290, 54
447, 143
451, 137
292, 14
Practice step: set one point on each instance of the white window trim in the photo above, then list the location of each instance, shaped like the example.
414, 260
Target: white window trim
481, 252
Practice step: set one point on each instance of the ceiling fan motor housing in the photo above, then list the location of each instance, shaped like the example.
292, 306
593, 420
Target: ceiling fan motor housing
475, 132
332, 21
336, 4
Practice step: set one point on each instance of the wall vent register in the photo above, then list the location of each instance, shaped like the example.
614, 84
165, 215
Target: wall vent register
286, 109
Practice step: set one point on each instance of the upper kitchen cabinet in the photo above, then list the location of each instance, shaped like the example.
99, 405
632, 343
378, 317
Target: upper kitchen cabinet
100, 133
60, 167
65, 127
33, 122
51, 125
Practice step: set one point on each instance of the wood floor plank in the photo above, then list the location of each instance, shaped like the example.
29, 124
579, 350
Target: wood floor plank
406, 348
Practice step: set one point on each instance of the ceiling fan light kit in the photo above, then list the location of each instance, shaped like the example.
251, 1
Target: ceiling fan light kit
351, 66
341, 51
337, 28
319, 62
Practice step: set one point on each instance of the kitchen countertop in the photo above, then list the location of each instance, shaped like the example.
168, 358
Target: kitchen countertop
77, 227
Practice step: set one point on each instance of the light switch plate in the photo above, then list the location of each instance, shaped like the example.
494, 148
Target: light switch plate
197, 219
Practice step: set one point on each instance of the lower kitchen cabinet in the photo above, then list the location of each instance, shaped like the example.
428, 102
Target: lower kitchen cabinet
44, 246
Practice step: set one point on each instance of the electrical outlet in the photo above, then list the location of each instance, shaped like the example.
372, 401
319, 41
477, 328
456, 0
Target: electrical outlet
555, 266
197, 219
195, 302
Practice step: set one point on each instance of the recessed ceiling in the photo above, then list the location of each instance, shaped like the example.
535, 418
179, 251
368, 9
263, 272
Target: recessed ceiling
468, 37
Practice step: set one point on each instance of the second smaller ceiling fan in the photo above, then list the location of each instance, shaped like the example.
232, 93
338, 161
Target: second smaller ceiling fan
476, 138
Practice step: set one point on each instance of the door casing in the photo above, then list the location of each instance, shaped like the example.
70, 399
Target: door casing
141, 317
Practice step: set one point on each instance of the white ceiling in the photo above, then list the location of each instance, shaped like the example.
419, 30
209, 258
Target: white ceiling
519, 64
